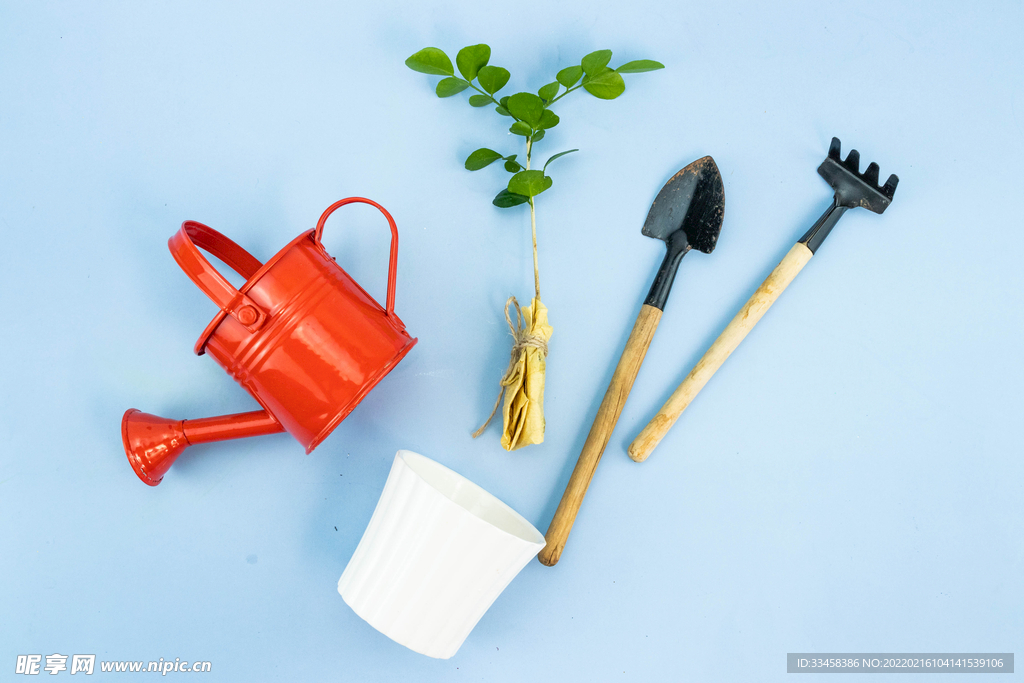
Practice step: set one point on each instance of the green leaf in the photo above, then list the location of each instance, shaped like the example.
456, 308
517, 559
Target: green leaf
506, 199
596, 61
548, 120
538, 136
471, 59
492, 78
447, 87
520, 128
549, 91
560, 154
606, 86
479, 100
503, 101
639, 66
526, 107
569, 75
529, 183
512, 166
502, 111
431, 60
481, 158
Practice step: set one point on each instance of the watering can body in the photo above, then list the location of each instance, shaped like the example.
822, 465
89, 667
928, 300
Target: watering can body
301, 336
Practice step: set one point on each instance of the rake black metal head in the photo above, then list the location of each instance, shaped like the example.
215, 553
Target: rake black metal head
853, 189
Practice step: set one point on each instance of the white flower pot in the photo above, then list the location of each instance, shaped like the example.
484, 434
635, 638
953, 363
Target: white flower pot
437, 552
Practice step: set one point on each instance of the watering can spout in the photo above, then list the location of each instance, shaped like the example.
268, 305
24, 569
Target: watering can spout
153, 443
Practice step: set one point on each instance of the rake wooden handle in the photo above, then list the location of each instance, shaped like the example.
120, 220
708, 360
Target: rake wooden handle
601, 431
726, 343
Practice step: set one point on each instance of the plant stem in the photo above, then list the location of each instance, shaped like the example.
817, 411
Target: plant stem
533, 211
567, 91
533, 225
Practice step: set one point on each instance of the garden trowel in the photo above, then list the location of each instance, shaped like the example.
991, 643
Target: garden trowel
687, 214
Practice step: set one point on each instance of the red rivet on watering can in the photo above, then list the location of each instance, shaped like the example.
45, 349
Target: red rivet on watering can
300, 335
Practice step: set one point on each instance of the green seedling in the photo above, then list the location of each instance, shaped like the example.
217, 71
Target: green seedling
531, 116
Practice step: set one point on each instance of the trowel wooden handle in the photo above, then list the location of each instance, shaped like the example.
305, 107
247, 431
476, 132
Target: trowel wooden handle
607, 415
726, 343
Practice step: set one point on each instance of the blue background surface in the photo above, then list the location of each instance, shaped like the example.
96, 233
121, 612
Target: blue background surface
851, 480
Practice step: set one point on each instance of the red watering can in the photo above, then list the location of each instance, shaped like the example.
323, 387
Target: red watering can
300, 335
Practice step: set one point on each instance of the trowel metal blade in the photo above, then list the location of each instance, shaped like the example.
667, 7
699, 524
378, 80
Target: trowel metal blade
693, 200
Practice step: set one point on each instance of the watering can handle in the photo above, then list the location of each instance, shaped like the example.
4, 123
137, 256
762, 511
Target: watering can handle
392, 262
184, 246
